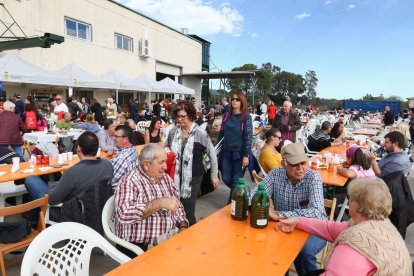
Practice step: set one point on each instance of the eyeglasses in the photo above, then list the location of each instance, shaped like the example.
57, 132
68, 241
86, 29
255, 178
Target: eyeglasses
303, 163
181, 117
57, 99
119, 136
235, 99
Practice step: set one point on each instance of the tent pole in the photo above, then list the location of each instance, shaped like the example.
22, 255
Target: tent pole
116, 96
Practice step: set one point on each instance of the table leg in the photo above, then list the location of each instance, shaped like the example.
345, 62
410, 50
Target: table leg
342, 211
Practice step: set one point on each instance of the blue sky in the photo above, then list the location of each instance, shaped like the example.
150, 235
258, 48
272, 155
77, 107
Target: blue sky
355, 47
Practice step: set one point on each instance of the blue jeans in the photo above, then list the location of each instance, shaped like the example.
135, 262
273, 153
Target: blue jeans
306, 260
37, 188
16, 149
231, 171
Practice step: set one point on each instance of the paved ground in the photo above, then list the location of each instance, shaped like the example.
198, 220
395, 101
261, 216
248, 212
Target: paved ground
205, 205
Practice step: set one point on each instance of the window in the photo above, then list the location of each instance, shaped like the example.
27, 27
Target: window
123, 42
78, 29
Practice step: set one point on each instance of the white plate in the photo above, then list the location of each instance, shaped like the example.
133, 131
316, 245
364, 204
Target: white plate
43, 169
27, 171
2, 173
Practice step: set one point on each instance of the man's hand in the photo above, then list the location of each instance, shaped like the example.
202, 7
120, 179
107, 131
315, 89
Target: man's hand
110, 153
273, 214
214, 181
287, 225
170, 203
372, 156
245, 161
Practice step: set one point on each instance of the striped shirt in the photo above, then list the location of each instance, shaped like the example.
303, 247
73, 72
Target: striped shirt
125, 161
133, 193
305, 199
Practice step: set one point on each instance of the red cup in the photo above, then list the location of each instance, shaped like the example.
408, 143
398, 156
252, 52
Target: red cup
347, 144
314, 165
39, 160
45, 160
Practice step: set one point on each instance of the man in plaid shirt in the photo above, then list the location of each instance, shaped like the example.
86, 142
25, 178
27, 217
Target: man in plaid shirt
147, 204
297, 191
126, 158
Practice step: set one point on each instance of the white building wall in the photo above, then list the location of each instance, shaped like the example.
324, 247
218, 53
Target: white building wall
98, 56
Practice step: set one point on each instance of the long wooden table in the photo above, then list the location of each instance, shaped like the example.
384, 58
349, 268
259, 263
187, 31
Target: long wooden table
219, 245
333, 178
365, 131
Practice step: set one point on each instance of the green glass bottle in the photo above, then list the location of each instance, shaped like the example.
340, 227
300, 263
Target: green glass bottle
259, 215
239, 201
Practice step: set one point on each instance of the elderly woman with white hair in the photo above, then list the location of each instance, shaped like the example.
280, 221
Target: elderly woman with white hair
366, 245
11, 128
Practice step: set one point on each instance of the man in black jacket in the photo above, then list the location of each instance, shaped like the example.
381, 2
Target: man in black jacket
89, 171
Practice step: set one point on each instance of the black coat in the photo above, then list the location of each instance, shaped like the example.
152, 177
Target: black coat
402, 213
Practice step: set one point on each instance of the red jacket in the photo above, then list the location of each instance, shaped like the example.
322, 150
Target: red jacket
11, 126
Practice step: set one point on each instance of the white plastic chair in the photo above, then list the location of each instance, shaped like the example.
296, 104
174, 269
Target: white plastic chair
217, 147
9, 189
108, 223
46, 257
142, 124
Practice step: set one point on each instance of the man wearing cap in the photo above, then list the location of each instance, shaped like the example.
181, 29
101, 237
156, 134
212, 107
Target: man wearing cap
296, 191
19, 109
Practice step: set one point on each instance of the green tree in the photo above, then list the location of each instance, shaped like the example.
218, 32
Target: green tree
289, 84
311, 81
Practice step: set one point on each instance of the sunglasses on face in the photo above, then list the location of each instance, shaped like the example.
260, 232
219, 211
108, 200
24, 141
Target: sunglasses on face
298, 164
236, 99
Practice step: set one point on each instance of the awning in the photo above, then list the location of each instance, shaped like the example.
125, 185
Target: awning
167, 85
14, 69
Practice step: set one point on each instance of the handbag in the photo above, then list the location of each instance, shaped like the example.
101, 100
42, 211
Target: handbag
206, 185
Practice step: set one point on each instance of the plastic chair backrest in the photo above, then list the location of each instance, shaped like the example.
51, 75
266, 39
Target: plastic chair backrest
47, 256
108, 224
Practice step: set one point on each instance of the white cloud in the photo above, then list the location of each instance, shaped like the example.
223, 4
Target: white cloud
327, 2
198, 16
302, 16
253, 34
351, 7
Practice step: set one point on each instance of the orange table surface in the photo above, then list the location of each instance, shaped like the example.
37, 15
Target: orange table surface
374, 122
364, 131
25, 165
333, 178
219, 245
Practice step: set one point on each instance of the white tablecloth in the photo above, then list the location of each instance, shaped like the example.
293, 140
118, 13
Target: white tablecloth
40, 137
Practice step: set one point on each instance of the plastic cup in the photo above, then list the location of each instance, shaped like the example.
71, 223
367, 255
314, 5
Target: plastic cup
98, 153
70, 156
64, 157
45, 160
39, 160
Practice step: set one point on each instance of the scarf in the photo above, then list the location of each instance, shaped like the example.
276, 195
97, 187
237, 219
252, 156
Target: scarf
184, 160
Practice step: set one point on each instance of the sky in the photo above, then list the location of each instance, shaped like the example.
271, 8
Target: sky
354, 46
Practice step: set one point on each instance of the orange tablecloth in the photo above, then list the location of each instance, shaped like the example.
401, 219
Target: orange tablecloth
218, 245
333, 178
364, 131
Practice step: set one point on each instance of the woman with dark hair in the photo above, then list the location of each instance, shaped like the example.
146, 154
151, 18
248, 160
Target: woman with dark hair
194, 155
154, 133
236, 132
337, 132
356, 165
269, 157
29, 117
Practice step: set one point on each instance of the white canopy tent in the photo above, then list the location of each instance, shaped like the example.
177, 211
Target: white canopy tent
167, 85
122, 82
81, 78
16, 70
145, 82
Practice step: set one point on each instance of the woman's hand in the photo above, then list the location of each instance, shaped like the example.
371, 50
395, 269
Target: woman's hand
245, 161
287, 225
214, 181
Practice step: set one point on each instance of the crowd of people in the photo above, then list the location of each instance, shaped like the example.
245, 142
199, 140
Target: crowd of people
152, 205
